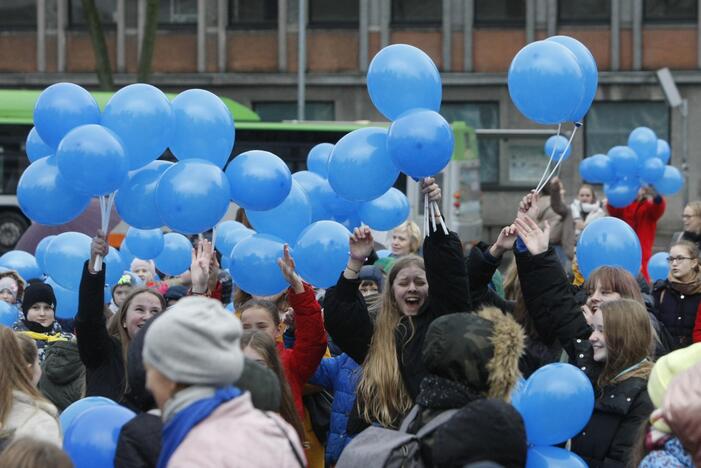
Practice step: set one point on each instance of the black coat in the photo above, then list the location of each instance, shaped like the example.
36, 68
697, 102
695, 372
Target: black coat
676, 311
620, 408
100, 352
349, 324
139, 443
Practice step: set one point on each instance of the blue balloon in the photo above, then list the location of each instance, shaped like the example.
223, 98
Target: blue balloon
288, 219
652, 170
546, 83
658, 267
597, 169
624, 161
608, 241
114, 266
335, 205
671, 181
663, 151
204, 127
66, 300
318, 159
259, 180
589, 69
420, 143
91, 158
383, 253
556, 403
349, 221
78, 407
62, 107
254, 265
45, 197
621, 193
360, 167
517, 392
23, 263
144, 243
192, 196
8, 314
553, 457
136, 198
107, 295
386, 212
40, 251
555, 147
126, 255
176, 256
65, 257
230, 233
140, 114
401, 78
643, 141
91, 440
35, 146
316, 188
321, 253
230, 307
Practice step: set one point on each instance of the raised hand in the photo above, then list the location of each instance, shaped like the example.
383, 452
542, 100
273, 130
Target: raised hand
429, 186
287, 267
199, 268
528, 206
536, 239
505, 241
98, 248
361, 246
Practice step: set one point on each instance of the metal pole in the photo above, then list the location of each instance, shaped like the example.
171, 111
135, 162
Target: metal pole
301, 58
201, 36
684, 111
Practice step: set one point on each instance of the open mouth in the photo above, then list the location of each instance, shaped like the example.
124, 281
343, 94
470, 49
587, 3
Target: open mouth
412, 300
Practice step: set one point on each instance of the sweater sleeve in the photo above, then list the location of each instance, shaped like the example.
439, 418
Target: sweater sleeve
310, 335
347, 320
94, 342
653, 210
446, 274
481, 266
615, 212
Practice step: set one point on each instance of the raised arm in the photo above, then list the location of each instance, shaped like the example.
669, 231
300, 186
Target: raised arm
94, 343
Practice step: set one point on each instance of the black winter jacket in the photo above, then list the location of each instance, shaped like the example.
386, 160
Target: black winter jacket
676, 311
620, 408
101, 353
139, 443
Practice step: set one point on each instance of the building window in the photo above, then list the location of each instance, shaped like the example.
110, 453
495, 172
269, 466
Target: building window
609, 123
417, 12
333, 13
106, 9
18, 14
479, 115
177, 12
584, 11
500, 12
276, 111
670, 10
253, 13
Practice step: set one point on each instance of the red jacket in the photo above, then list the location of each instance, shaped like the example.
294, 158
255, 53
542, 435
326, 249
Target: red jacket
301, 361
642, 216
696, 334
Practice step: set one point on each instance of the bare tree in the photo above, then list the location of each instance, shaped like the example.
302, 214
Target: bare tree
99, 45
149, 40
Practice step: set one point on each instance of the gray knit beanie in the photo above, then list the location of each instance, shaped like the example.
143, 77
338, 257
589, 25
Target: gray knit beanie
196, 342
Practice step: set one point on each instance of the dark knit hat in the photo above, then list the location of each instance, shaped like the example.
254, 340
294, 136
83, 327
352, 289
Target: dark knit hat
38, 292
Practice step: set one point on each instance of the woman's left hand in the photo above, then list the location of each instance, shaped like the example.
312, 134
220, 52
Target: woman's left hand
536, 239
199, 268
287, 267
429, 186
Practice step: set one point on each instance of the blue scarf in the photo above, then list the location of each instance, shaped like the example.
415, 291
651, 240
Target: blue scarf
180, 425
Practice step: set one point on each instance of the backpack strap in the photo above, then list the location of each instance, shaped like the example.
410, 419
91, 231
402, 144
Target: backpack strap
435, 422
409, 418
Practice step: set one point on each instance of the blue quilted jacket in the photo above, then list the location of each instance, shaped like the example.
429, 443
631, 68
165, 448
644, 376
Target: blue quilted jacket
338, 375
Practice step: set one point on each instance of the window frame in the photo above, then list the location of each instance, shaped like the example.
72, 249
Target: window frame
585, 22
332, 24
675, 21
255, 103
415, 23
498, 23
23, 27
251, 25
73, 26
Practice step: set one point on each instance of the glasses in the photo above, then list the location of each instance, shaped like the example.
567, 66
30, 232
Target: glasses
677, 259
689, 216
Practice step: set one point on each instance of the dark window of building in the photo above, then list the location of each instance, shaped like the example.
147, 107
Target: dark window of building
417, 12
479, 115
333, 13
18, 14
177, 12
106, 9
276, 111
584, 11
608, 124
500, 12
253, 13
670, 10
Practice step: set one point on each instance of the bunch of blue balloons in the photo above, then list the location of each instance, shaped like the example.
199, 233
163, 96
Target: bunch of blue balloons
624, 169
556, 403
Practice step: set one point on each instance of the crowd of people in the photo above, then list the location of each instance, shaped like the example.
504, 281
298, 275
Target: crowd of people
429, 341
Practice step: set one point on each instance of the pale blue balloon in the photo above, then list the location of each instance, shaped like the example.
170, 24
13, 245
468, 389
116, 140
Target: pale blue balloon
643, 141
385, 212
62, 107
316, 189
141, 115
553, 457
126, 255
621, 193
254, 265
288, 219
8, 314
597, 169
66, 300
625, 161
79, 406
114, 266
144, 243
65, 257
335, 205
608, 241
350, 221
40, 251
652, 170
136, 198
35, 146
259, 180
321, 253
671, 181
664, 152
318, 159
229, 233
176, 256
360, 167
204, 127
555, 147
658, 267
23, 263
45, 197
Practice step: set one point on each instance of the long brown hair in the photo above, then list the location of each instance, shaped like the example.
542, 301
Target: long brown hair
629, 341
28, 348
14, 373
615, 279
27, 452
381, 392
265, 346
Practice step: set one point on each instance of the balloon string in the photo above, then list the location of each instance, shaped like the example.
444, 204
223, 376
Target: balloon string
97, 266
214, 235
562, 157
433, 215
550, 159
426, 208
440, 218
